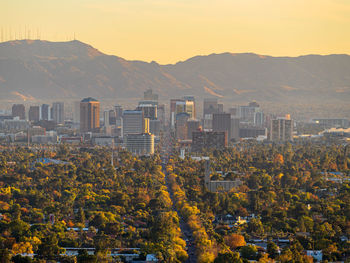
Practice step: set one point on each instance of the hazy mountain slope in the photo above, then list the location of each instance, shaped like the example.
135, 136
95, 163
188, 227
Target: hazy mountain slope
46, 70
250, 76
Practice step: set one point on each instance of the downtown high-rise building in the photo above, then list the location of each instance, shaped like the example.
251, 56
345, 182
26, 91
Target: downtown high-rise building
140, 143
150, 111
34, 113
132, 122
58, 112
192, 126
185, 105
224, 122
205, 140
281, 129
149, 95
45, 112
89, 115
181, 125
210, 106
18, 110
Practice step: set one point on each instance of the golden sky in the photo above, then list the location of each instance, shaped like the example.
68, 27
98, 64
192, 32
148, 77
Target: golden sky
168, 31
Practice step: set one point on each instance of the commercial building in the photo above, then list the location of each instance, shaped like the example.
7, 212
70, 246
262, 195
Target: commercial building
141, 144
247, 113
36, 130
181, 125
161, 115
179, 106
234, 130
45, 112
252, 132
193, 110
18, 110
34, 113
89, 115
104, 140
234, 112
155, 127
58, 112
210, 106
226, 123
133, 122
149, 95
44, 139
149, 110
14, 125
118, 115
222, 122
203, 140
333, 122
259, 118
281, 129
192, 126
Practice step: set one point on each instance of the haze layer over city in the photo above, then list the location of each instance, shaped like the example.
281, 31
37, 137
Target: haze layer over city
175, 131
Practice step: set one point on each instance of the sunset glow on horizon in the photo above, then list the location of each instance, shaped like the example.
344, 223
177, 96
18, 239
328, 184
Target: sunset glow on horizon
168, 31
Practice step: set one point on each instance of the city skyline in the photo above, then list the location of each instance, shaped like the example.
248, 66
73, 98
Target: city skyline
171, 31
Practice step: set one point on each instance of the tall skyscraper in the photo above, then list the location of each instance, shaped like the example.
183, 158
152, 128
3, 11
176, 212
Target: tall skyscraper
192, 126
118, 114
34, 113
259, 118
210, 106
133, 122
112, 117
181, 125
161, 114
149, 95
179, 106
247, 113
193, 105
281, 129
89, 115
224, 122
45, 112
149, 111
18, 110
106, 118
234, 112
58, 112
234, 131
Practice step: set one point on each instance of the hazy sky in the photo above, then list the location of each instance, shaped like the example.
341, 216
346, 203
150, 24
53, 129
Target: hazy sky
171, 30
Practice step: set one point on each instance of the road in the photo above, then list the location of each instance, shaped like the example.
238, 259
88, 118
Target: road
185, 229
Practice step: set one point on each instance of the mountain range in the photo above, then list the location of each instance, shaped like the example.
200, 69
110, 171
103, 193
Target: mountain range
41, 70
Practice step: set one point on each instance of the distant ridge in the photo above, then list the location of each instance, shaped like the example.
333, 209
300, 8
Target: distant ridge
36, 69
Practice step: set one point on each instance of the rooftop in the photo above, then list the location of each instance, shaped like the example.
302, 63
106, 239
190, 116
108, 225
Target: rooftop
89, 99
